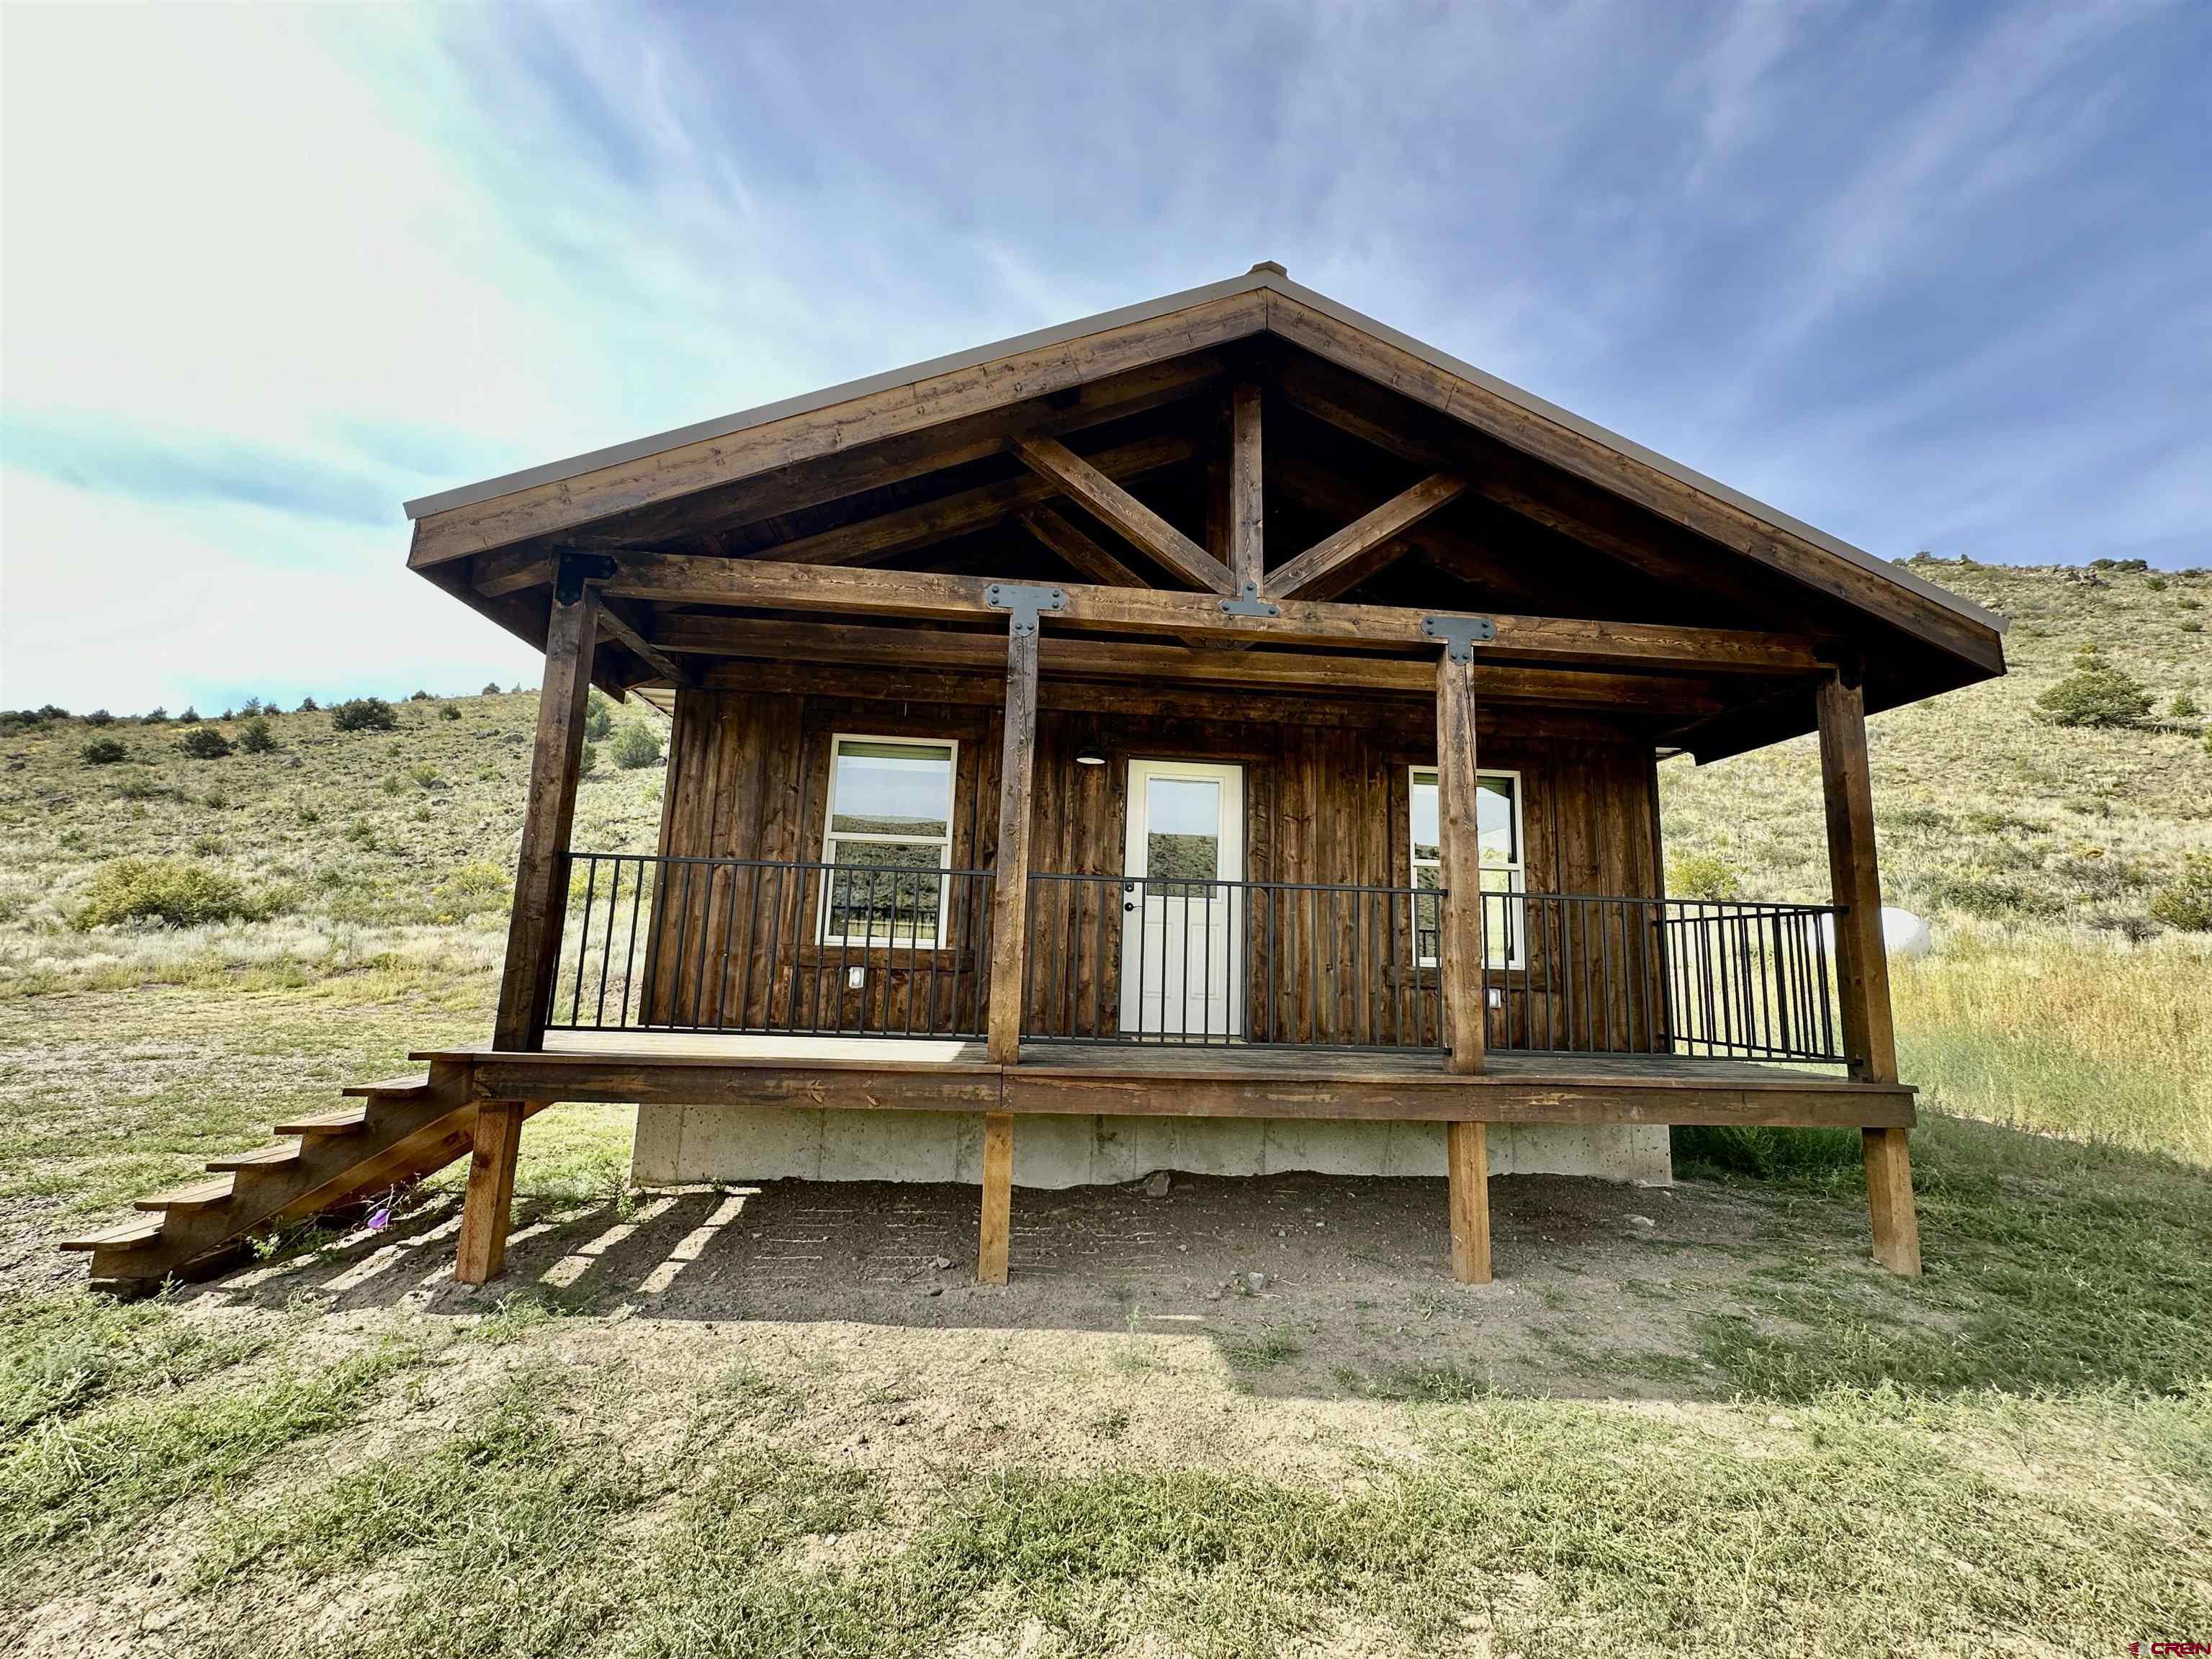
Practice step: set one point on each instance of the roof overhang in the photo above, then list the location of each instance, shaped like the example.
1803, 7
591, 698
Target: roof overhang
1262, 279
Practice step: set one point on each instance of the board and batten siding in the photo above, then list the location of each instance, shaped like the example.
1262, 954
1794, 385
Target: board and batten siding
749, 774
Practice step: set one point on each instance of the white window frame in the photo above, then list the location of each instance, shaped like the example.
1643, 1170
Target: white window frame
1516, 870
831, 836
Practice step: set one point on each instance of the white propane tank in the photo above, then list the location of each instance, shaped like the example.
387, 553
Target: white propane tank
1904, 934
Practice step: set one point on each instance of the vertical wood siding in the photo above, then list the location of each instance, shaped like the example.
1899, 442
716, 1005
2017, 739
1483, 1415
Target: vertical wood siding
748, 777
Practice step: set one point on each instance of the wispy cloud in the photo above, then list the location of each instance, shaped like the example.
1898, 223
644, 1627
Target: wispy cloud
1927, 276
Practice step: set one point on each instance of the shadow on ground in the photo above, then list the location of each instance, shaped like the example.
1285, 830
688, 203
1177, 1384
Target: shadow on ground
1308, 1285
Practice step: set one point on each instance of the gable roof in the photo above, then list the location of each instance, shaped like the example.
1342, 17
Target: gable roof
1266, 279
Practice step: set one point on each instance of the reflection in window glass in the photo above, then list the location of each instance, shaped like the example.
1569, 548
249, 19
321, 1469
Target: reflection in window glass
1182, 828
889, 837
1497, 832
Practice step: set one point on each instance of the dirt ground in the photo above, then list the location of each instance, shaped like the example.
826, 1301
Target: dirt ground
1304, 1284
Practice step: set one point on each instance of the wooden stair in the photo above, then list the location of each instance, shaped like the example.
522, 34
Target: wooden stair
389, 1132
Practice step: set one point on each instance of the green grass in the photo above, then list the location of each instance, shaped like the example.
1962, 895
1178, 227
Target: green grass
1877, 1522
1778, 1448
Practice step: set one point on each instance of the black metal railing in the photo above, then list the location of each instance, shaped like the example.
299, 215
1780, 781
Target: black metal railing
1586, 973
796, 947
771, 946
1179, 960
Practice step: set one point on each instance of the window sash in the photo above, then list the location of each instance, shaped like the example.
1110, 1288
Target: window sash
910, 921
1512, 871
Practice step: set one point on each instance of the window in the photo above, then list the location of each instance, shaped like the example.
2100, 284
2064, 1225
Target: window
1498, 831
889, 836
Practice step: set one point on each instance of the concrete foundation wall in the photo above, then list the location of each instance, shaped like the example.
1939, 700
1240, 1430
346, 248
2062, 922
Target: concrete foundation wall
680, 1145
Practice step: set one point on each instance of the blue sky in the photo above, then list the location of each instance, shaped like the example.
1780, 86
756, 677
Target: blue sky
1926, 276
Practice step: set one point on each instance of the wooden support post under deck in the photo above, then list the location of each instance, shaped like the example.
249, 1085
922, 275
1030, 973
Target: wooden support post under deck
1467, 1163
1862, 963
1459, 857
484, 1211
533, 928
1011, 882
998, 1198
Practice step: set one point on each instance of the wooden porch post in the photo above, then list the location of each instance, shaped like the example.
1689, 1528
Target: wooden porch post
1863, 962
1010, 886
534, 928
1460, 958
1009, 935
1459, 857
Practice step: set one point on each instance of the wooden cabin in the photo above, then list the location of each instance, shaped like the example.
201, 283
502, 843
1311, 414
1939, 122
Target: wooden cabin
1223, 709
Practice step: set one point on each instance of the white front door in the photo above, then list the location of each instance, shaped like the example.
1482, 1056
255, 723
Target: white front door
1182, 914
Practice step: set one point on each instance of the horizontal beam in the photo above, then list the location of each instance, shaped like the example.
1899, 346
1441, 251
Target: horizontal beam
692, 579
910, 648
1091, 486
1363, 535
1321, 1090
1402, 719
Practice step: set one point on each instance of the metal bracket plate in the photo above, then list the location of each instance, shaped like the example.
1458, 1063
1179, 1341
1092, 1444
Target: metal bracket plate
1249, 604
1459, 634
1024, 604
574, 570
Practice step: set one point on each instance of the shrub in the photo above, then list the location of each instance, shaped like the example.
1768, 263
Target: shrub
419, 696
447, 712
636, 748
2184, 707
104, 751
427, 776
2095, 694
190, 717
1764, 1152
99, 717
204, 743
590, 761
255, 738
308, 705
1702, 876
491, 689
175, 892
598, 716
2187, 903
2189, 602
156, 715
2156, 584
363, 714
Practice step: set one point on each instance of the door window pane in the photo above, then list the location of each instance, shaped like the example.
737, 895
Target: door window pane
1182, 828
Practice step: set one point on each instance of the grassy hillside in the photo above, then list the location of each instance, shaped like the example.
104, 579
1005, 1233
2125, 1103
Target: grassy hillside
350, 847
1984, 809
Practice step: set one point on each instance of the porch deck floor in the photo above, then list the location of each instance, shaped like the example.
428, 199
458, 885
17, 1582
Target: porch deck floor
1169, 1060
